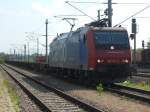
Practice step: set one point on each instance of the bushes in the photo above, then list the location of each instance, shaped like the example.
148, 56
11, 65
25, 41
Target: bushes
100, 88
139, 85
1, 61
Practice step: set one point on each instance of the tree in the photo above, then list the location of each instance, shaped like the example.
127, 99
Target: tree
2, 57
148, 44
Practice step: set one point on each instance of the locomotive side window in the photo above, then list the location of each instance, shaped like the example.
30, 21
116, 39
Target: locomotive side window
85, 40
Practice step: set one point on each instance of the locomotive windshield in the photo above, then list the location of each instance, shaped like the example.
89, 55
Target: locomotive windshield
104, 40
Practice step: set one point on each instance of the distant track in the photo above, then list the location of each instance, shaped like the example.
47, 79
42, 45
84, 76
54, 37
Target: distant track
137, 94
63, 99
42, 106
142, 74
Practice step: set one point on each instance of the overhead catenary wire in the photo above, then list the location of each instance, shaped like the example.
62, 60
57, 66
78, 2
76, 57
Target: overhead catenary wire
86, 2
55, 25
42, 26
125, 3
80, 10
69, 15
143, 17
107, 3
133, 15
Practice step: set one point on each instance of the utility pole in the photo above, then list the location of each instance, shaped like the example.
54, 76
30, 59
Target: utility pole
37, 47
135, 49
28, 52
21, 50
46, 55
17, 55
98, 15
110, 13
25, 52
14, 55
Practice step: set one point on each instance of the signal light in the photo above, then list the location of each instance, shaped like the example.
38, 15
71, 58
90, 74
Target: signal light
132, 36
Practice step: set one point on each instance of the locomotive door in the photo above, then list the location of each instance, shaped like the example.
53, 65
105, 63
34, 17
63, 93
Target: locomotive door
83, 52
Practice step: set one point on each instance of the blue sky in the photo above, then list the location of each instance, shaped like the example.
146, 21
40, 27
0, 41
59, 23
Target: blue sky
20, 16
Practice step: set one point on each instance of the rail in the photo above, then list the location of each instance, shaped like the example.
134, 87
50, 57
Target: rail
76, 101
137, 94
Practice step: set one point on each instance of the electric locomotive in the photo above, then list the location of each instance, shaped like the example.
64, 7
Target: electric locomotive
92, 53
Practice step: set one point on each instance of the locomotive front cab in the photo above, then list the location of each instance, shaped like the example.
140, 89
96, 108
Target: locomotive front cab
109, 52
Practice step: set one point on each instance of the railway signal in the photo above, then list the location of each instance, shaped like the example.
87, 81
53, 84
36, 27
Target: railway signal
110, 13
143, 44
132, 36
134, 31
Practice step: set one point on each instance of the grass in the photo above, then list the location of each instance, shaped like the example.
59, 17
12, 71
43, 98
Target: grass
14, 98
140, 85
99, 88
0, 91
1, 61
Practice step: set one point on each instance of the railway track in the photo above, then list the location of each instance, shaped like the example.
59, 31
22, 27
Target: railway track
49, 99
137, 94
142, 74
143, 70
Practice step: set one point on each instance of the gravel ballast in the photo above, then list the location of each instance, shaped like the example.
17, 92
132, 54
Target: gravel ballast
108, 101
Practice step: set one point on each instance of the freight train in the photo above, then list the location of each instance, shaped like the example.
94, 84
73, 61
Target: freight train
143, 58
90, 53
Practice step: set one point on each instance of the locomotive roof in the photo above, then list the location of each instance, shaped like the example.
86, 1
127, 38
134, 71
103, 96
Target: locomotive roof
108, 28
65, 35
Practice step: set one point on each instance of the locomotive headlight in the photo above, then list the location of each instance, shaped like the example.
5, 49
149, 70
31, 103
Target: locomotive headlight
125, 61
100, 61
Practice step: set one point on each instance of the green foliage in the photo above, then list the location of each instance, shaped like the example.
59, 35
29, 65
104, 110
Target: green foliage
139, 49
2, 58
100, 88
1, 61
141, 85
148, 44
126, 83
14, 98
